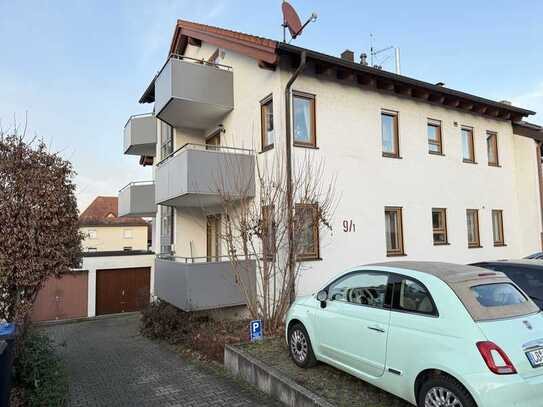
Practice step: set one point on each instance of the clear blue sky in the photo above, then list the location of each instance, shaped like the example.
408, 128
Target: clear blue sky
79, 67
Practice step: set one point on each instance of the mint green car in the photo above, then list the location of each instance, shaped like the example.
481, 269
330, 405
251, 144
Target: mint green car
434, 334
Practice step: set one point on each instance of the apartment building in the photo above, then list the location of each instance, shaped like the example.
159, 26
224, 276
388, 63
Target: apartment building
422, 171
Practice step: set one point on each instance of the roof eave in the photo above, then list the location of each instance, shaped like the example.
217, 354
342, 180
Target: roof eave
516, 113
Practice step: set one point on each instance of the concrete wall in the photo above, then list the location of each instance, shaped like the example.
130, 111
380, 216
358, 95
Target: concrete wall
111, 238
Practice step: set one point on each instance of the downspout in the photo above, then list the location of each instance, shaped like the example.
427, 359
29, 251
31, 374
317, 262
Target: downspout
540, 179
290, 198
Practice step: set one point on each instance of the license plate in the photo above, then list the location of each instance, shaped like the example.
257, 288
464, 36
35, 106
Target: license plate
535, 357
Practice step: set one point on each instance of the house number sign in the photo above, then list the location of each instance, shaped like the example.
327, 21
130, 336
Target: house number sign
349, 226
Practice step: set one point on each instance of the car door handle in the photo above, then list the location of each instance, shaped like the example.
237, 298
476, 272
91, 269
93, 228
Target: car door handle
377, 329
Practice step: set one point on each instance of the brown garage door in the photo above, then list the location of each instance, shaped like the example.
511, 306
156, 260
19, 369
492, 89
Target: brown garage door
62, 298
122, 290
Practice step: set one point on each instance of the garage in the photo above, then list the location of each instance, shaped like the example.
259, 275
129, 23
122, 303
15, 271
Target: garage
122, 290
62, 298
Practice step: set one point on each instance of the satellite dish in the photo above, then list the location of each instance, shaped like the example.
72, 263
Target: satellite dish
291, 19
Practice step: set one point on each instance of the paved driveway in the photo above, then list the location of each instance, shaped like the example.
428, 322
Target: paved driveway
110, 364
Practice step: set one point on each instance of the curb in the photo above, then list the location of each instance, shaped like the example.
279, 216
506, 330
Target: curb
270, 380
82, 319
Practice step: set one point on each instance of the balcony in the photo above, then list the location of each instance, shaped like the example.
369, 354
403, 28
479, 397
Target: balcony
192, 284
140, 135
193, 175
193, 93
137, 199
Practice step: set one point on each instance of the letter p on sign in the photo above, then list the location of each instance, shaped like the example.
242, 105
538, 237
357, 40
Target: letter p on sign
256, 330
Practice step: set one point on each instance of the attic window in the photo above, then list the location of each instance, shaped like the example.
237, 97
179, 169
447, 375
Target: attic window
110, 215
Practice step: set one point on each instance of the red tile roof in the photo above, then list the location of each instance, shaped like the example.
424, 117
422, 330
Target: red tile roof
103, 211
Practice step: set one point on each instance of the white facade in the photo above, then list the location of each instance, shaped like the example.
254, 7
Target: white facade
348, 133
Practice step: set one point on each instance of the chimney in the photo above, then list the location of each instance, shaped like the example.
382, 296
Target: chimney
364, 59
506, 102
348, 55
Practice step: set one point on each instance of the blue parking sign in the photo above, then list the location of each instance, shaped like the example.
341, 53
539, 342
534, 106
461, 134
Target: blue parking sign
256, 330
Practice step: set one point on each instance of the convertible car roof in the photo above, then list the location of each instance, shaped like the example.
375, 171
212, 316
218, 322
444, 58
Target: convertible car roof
461, 279
448, 272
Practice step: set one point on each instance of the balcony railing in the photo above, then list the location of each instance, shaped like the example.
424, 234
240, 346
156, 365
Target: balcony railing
199, 175
140, 135
193, 284
137, 199
193, 93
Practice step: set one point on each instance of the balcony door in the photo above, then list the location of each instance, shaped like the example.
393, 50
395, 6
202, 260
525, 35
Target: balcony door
213, 237
213, 140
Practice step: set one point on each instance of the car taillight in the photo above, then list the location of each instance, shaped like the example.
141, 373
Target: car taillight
495, 358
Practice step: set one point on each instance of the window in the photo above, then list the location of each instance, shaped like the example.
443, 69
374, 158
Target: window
412, 296
307, 226
492, 148
127, 248
468, 149
303, 106
266, 123
472, 216
213, 237
439, 225
497, 227
92, 234
127, 233
498, 295
394, 231
389, 134
166, 229
166, 140
361, 288
434, 137
268, 232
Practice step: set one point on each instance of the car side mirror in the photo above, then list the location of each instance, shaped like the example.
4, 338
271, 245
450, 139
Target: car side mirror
322, 296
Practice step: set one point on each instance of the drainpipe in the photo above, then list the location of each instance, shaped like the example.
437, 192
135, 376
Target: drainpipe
290, 198
540, 178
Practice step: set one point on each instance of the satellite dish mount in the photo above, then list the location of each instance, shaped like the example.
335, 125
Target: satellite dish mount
291, 20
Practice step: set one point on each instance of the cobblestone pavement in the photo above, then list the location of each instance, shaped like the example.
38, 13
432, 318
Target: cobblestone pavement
110, 364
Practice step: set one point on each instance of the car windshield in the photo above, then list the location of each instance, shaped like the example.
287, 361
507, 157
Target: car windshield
498, 295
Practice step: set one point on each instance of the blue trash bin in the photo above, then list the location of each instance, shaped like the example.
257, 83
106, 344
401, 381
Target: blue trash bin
7, 337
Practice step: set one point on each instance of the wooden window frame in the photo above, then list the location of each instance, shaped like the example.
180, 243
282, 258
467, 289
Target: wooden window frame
435, 123
494, 136
399, 215
396, 140
501, 241
316, 238
444, 231
476, 243
263, 121
268, 221
313, 110
471, 144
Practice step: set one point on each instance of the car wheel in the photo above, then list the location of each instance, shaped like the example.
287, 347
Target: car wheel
444, 391
299, 346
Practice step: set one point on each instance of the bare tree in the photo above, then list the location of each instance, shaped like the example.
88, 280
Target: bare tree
255, 228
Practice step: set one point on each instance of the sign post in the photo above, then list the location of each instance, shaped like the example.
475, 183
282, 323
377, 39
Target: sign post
256, 330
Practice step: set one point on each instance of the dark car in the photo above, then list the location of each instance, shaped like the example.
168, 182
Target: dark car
526, 273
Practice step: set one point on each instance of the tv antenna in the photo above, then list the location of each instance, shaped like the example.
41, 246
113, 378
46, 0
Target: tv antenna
374, 52
292, 21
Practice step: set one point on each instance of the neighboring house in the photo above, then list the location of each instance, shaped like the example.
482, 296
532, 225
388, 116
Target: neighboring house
424, 171
104, 231
116, 273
